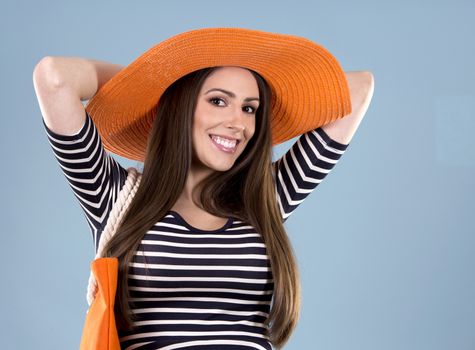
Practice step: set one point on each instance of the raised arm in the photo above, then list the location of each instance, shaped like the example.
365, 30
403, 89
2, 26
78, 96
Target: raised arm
312, 157
61, 83
361, 85
93, 174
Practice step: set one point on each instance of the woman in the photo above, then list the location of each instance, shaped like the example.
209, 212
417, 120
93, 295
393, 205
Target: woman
204, 258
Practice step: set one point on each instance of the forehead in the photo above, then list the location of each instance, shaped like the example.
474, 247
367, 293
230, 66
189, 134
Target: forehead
230, 72
231, 77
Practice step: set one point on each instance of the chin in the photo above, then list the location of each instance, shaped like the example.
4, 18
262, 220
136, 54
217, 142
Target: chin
222, 168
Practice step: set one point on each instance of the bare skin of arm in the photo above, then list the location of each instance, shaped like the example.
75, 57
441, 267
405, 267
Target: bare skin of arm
361, 85
61, 83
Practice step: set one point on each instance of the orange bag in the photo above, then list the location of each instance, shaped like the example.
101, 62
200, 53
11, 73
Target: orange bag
100, 331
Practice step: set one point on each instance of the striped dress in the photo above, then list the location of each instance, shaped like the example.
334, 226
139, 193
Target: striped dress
192, 288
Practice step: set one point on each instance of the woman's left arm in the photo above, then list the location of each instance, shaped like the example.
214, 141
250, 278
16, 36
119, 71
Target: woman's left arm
361, 86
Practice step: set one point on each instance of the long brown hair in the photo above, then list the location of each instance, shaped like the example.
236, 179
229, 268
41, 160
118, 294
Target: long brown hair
246, 191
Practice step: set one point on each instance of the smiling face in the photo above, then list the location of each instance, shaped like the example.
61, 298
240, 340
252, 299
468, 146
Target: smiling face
226, 104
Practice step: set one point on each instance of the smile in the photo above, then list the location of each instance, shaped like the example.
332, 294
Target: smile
225, 146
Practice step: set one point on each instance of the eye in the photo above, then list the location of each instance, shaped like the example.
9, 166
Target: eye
253, 110
215, 99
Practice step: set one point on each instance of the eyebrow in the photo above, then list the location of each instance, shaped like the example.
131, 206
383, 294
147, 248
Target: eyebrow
231, 94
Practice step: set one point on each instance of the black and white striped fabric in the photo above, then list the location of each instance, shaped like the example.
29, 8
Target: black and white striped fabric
192, 288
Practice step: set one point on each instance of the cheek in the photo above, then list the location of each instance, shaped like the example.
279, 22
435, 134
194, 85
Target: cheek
199, 125
251, 127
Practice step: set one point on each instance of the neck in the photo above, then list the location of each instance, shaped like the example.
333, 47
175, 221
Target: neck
195, 175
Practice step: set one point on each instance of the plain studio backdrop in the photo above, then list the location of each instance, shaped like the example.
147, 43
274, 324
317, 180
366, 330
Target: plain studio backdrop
385, 243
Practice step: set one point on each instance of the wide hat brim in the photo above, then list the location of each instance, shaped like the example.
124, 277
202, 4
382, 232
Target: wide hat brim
309, 87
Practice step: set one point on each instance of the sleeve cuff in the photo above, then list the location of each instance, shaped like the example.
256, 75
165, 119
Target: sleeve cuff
329, 141
79, 134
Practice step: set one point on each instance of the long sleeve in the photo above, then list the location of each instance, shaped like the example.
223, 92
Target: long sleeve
93, 174
303, 167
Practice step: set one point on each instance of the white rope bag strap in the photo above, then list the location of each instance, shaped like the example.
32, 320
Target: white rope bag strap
118, 210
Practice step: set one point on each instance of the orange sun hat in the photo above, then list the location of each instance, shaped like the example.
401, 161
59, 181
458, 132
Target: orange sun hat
309, 87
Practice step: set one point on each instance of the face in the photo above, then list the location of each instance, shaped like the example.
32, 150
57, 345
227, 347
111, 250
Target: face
226, 107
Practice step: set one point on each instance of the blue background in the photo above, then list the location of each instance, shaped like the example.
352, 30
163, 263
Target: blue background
386, 244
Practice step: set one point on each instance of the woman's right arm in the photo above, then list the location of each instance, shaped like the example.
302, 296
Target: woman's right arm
93, 174
61, 83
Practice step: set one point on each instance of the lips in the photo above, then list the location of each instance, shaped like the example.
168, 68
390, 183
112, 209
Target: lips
222, 148
225, 137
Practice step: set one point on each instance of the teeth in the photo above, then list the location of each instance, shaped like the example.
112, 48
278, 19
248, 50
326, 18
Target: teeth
225, 142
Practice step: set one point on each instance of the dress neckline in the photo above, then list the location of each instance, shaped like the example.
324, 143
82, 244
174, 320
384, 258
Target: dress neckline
195, 229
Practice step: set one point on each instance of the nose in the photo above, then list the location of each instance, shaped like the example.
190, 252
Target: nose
237, 119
